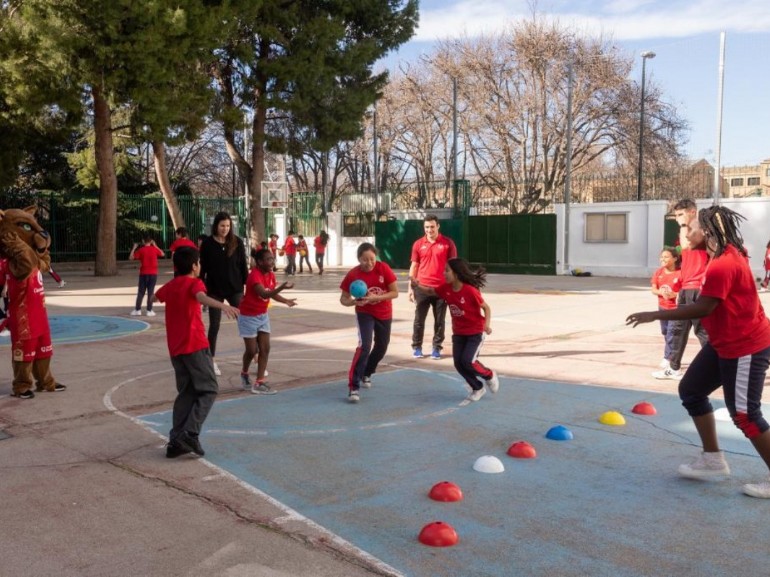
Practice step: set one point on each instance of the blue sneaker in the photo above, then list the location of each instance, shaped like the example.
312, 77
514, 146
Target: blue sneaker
418, 353
436, 355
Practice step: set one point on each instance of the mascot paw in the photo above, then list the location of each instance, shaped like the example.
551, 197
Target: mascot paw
24, 395
57, 387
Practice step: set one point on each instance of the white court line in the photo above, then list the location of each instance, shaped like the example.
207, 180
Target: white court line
290, 514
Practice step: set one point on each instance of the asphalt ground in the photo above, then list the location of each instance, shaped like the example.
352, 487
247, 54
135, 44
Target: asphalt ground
301, 483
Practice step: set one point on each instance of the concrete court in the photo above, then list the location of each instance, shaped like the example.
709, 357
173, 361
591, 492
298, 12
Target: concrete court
89, 492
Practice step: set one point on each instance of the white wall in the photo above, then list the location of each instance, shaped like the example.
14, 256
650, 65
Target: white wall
639, 256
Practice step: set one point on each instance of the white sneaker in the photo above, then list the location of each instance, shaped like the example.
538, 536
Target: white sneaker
476, 395
493, 384
759, 490
353, 397
5, 333
707, 465
669, 373
62, 284
151, 313
366, 382
217, 372
136, 313
663, 364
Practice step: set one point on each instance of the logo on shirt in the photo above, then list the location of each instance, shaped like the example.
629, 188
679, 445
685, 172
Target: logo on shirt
456, 311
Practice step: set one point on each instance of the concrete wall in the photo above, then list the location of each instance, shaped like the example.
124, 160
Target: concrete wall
639, 256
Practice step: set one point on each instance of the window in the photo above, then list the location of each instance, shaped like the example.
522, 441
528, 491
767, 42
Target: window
606, 227
767, 172
736, 182
753, 181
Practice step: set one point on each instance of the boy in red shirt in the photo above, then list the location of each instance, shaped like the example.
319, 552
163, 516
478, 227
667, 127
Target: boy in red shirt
148, 255
462, 295
254, 322
374, 315
429, 257
737, 354
290, 250
188, 346
665, 285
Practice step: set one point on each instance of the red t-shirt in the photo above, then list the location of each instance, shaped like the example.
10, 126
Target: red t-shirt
272, 246
672, 280
465, 308
767, 259
738, 325
253, 304
377, 281
148, 256
431, 259
320, 248
290, 246
27, 317
180, 242
693, 267
185, 332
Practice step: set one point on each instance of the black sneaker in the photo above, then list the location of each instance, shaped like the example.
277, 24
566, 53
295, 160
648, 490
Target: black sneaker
25, 395
192, 444
174, 450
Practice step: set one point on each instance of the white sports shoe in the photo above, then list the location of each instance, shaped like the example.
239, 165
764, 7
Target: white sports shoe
663, 364
759, 490
669, 373
707, 465
493, 384
137, 313
476, 395
151, 313
217, 372
366, 382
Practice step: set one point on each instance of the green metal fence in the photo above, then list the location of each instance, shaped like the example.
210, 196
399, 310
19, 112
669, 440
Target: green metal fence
73, 221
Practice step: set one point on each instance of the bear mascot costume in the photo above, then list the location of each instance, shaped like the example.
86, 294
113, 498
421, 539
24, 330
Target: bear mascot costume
25, 245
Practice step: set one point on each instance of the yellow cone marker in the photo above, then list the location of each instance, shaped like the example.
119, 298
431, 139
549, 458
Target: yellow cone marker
612, 418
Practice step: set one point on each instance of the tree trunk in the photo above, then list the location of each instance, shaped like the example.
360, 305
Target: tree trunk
256, 212
106, 234
161, 173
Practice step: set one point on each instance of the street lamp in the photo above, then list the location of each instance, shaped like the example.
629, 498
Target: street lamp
645, 55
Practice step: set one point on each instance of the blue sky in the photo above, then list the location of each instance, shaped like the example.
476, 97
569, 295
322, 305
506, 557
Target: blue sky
685, 36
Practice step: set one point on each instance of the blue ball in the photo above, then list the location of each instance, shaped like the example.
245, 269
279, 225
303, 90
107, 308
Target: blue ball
358, 289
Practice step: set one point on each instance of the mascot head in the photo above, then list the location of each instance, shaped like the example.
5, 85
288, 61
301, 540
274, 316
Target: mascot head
23, 241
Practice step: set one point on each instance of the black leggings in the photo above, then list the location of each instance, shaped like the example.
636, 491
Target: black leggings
215, 318
366, 358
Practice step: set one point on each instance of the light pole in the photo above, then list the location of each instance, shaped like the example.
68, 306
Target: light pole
645, 55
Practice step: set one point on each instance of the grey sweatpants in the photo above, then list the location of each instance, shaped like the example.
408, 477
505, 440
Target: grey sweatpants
197, 387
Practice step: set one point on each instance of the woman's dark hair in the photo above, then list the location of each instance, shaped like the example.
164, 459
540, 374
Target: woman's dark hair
720, 224
365, 247
325, 238
674, 253
474, 277
231, 241
184, 258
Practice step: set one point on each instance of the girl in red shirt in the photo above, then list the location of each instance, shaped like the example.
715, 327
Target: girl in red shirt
465, 304
148, 255
374, 315
666, 283
738, 352
319, 243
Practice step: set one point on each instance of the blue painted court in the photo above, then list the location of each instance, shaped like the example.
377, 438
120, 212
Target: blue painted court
66, 329
608, 502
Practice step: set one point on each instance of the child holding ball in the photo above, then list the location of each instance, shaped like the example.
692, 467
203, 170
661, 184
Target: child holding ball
465, 305
374, 314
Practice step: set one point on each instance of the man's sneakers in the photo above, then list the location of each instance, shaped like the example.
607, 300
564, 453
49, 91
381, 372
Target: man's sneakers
217, 372
706, 466
669, 373
493, 384
151, 313
436, 355
476, 395
417, 354
354, 396
136, 313
759, 490
366, 382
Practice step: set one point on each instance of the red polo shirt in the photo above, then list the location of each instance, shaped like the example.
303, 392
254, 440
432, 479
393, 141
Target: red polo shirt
431, 259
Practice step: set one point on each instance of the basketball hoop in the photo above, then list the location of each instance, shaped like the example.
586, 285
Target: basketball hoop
275, 194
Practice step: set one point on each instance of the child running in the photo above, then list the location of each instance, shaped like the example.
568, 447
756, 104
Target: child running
374, 315
196, 383
254, 322
465, 305
666, 283
737, 354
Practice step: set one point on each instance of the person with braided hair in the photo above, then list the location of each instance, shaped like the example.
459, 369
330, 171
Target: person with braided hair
738, 352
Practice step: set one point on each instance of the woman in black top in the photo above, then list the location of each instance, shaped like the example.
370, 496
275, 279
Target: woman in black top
223, 270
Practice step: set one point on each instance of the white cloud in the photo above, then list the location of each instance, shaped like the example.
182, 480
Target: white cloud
622, 19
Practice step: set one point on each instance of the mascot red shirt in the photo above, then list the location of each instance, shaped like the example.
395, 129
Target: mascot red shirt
28, 320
